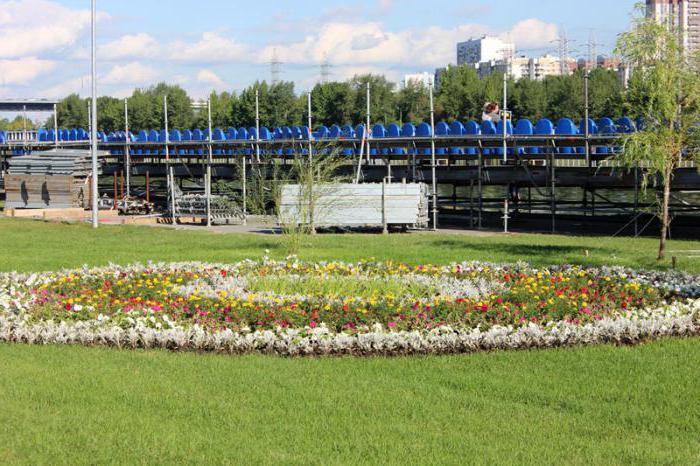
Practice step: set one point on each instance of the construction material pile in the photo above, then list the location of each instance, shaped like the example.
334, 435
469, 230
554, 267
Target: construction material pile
49, 180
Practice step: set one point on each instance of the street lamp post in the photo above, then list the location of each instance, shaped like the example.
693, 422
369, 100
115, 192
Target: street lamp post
93, 117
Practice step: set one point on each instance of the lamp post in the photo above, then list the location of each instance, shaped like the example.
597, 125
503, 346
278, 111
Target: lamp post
93, 122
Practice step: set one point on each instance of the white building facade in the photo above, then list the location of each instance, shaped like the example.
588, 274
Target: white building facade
422, 79
485, 49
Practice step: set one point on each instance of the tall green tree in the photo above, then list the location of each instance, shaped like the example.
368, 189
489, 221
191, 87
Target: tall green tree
605, 94
664, 91
413, 103
382, 98
529, 99
458, 97
332, 103
73, 112
222, 111
110, 114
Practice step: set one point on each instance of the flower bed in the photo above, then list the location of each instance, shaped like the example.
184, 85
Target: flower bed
292, 307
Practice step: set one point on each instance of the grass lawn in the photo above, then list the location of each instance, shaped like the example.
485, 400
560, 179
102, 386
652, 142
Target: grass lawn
600, 405
35, 246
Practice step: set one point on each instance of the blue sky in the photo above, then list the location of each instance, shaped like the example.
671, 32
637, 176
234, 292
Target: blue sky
226, 45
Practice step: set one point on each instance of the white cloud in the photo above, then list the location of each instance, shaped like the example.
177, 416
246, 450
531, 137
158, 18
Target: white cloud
79, 85
130, 73
140, 45
209, 77
533, 34
31, 27
369, 43
211, 48
384, 6
115, 82
23, 70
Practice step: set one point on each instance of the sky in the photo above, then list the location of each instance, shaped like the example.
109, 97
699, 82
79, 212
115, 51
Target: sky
207, 45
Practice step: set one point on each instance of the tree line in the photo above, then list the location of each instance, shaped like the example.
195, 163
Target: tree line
461, 96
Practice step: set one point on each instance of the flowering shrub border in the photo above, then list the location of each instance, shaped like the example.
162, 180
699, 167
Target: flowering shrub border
148, 328
674, 320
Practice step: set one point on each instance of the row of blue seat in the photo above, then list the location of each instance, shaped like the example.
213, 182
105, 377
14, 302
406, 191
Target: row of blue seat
523, 127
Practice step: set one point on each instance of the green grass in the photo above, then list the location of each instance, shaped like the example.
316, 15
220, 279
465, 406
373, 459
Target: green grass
35, 246
338, 287
601, 405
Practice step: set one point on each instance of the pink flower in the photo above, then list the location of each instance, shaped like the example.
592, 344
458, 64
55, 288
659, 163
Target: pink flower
313, 325
392, 324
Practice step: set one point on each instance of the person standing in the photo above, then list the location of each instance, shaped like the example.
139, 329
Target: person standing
492, 113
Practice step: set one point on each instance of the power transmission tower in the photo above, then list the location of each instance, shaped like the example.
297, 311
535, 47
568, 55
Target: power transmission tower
563, 51
275, 67
325, 69
592, 50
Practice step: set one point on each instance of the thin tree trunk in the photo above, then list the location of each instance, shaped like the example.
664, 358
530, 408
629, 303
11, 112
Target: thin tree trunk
664, 215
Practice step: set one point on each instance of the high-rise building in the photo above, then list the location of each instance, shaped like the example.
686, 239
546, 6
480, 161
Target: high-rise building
485, 49
681, 14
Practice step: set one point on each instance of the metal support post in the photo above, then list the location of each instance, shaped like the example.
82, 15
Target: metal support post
368, 129
244, 176
385, 222
504, 120
93, 123
506, 216
481, 186
311, 157
127, 149
55, 126
433, 161
587, 130
636, 200
171, 174
257, 125
210, 155
553, 191
25, 139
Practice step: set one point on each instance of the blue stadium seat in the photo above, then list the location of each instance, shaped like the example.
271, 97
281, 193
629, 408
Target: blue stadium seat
524, 127
142, 137
378, 132
488, 129
442, 129
566, 127
509, 132
472, 128
321, 132
592, 130
424, 130
544, 127
198, 136
626, 125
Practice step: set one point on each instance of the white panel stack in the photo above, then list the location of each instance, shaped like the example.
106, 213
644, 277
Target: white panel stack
357, 205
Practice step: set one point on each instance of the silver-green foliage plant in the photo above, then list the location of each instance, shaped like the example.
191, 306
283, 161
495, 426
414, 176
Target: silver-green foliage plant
315, 175
664, 91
